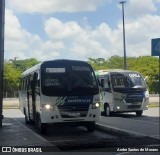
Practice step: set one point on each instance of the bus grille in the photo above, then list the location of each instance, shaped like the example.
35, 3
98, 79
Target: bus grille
73, 111
129, 100
134, 106
134, 100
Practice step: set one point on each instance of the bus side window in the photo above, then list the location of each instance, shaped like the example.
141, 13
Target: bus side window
37, 83
29, 79
107, 85
20, 85
25, 83
102, 83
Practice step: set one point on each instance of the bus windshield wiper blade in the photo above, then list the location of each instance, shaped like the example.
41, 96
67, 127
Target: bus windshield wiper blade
86, 86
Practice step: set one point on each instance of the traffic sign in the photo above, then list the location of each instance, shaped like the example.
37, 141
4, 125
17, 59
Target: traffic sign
155, 47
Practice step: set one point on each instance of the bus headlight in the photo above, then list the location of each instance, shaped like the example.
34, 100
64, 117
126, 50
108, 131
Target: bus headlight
95, 105
48, 106
118, 107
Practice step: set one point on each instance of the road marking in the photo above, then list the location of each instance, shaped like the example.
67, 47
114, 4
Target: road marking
143, 121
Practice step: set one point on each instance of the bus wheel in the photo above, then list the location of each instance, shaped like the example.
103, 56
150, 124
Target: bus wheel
42, 127
107, 110
91, 127
139, 113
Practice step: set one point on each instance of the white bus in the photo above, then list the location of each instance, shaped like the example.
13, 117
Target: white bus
60, 91
123, 91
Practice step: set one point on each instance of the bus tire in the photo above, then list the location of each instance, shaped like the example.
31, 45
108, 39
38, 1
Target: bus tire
91, 127
107, 111
42, 127
139, 113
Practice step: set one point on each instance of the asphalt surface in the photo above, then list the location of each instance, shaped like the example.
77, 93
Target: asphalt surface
132, 126
128, 130
15, 134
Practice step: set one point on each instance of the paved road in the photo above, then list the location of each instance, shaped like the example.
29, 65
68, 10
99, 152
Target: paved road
148, 124
67, 138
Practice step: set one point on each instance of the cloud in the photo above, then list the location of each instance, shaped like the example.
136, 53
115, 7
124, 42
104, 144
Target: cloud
79, 42
54, 6
136, 8
56, 29
22, 44
71, 40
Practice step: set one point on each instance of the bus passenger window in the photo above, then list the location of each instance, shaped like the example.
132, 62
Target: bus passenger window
20, 85
108, 84
38, 83
102, 83
23, 84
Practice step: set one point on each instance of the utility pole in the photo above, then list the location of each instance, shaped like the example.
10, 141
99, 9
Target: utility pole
2, 16
124, 44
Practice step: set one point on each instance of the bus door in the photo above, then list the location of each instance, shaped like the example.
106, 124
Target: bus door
31, 96
107, 91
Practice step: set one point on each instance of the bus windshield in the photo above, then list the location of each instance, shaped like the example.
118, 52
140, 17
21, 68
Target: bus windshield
127, 80
68, 79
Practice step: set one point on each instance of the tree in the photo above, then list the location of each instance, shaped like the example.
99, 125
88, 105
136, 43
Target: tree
11, 80
24, 64
12, 71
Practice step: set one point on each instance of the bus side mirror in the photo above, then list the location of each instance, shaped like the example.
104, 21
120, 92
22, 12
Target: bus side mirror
146, 79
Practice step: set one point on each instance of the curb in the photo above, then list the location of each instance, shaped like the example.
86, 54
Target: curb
115, 131
120, 132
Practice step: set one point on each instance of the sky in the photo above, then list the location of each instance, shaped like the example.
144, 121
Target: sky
79, 29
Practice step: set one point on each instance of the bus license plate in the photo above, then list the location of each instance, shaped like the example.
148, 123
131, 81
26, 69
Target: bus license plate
74, 114
133, 103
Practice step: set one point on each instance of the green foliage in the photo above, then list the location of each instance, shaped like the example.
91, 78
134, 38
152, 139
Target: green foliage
12, 71
11, 79
146, 65
23, 65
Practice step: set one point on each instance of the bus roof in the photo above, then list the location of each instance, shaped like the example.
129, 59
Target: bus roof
37, 67
32, 69
104, 72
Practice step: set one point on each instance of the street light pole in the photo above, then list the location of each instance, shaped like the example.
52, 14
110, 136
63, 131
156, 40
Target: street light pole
124, 44
2, 12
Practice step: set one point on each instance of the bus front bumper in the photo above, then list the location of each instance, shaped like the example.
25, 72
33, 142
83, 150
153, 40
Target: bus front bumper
130, 107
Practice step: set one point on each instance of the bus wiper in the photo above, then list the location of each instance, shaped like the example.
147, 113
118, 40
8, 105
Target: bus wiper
83, 86
138, 86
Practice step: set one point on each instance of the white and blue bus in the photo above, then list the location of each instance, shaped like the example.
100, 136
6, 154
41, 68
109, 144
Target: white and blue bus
123, 91
60, 91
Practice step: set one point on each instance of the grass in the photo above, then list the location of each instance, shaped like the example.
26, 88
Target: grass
153, 105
